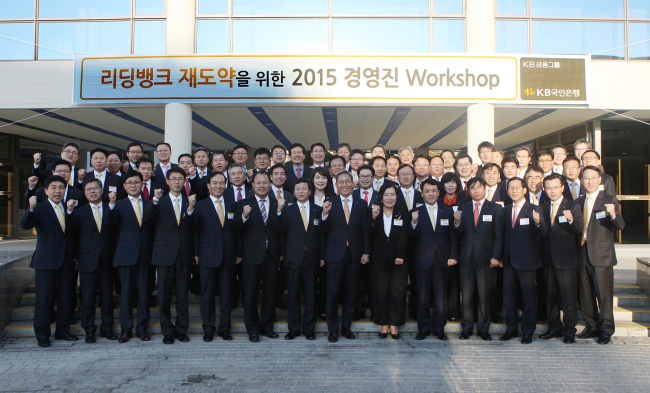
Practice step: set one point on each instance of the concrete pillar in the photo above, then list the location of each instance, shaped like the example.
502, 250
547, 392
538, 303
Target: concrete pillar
597, 142
480, 127
178, 128
481, 26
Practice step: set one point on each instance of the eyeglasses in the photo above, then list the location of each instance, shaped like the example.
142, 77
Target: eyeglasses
572, 167
63, 171
133, 183
344, 182
239, 153
73, 152
544, 161
365, 176
93, 189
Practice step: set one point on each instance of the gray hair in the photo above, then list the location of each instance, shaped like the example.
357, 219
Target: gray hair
581, 141
344, 172
243, 168
401, 149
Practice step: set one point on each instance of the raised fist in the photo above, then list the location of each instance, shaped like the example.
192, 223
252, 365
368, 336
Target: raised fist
414, 217
457, 215
375, 212
192, 171
37, 158
568, 215
280, 205
191, 200
536, 217
249, 173
247, 211
32, 203
326, 207
32, 181
82, 173
111, 198
71, 204
157, 193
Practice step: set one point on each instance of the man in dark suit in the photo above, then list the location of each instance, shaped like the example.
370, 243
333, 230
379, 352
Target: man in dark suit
255, 221
164, 154
95, 231
302, 257
421, 169
479, 223
59, 168
298, 170
238, 189
523, 228
193, 183
173, 253
365, 191
216, 252
201, 159
464, 165
133, 256
602, 218
69, 152
436, 249
262, 158
110, 182
591, 157
573, 189
344, 220
495, 190
52, 260
560, 255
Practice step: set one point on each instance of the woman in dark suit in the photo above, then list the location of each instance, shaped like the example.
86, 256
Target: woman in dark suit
454, 197
389, 273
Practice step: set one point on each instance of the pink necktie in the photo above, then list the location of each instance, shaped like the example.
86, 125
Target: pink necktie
298, 173
514, 215
476, 213
187, 187
239, 194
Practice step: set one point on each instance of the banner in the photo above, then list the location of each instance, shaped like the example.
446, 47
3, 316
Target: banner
331, 79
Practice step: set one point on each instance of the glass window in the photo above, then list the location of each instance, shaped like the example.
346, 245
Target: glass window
149, 37
14, 9
280, 35
512, 36
212, 36
381, 7
15, 50
150, 7
280, 7
639, 32
638, 9
581, 38
578, 8
381, 35
207, 7
448, 35
86, 38
448, 6
83, 8
511, 7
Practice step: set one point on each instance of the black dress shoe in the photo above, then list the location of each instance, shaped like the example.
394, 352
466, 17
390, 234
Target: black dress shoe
90, 339
419, 336
527, 339
359, 315
254, 338
507, 336
67, 337
271, 334
289, 336
347, 333
569, 339
333, 337
168, 339
464, 335
442, 336
226, 336
587, 333
281, 305
182, 337
208, 337
125, 336
383, 335
550, 334
44, 344
495, 319
323, 317
453, 319
395, 336
486, 336
604, 338
310, 336
144, 336
108, 334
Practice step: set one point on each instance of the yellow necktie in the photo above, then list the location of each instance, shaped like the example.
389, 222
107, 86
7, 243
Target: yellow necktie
534, 200
585, 221
303, 213
432, 217
408, 199
70, 179
177, 210
376, 185
99, 177
574, 192
489, 195
346, 210
61, 215
220, 212
279, 194
98, 218
556, 205
138, 211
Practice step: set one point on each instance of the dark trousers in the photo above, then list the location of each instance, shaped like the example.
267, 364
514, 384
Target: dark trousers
497, 294
101, 278
434, 280
453, 293
389, 293
213, 278
302, 278
525, 280
476, 281
177, 275
134, 281
540, 277
151, 281
321, 290
49, 284
561, 287
281, 283
262, 275
413, 289
335, 273
364, 292
195, 279
596, 283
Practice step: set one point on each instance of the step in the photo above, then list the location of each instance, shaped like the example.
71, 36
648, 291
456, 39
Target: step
628, 289
631, 300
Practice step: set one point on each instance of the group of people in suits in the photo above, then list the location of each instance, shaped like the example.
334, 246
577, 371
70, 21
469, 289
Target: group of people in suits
466, 240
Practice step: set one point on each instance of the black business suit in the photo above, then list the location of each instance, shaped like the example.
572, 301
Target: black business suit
373, 198
70, 193
160, 177
567, 190
388, 279
260, 254
560, 254
416, 200
598, 258
54, 267
346, 244
501, 198
172, 256
478, 244
303, 251
521, 260
542, 272
217, 249
232, 193
364, 295
42, 176
133, 257
433, 249
111, 183
321, 274
453, 290
281, 283
291, 176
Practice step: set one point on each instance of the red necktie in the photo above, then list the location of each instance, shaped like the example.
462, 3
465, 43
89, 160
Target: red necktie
145, 192
298, 173
239, 194
464, 185
476, 213
514, 215
365, 196
187, 187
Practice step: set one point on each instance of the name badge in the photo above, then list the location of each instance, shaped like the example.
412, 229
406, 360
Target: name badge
500, 203
76, 203
600, 215
231, 216
455, 208
397, 223
315, 222
562, 219
374, 206
418, 204
290, 203
444, 222
601, 188
487, 218
524, 221
112, 189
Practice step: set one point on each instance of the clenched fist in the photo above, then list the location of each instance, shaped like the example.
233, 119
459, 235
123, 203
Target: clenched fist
611, 210
414, 217
280, 205
568, 215
37, 158
32, 203
457, 215
191, 201
536, 217
32, 181
81, 173
326, 208
71, 204
158, 193
192, 171
375, 212
246, 212
111, 198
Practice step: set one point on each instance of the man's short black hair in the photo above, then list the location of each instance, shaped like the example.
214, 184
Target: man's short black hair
519, 179
73, 144
98, 150
178, 170
511, 159
55, 178
489, 165
131, 173
461, 156
487, 144
357, 151
379, 145
276, 166
593, 168
257, 173
145, 160
336, 157
304, 151
132, 144
240, 147
317, 144
366, 166
559, 146
91, 180
592, 151
188, 155
260, 151
534, 168
406, 166
375, 158
303, 180
205, 149
278, 147
545, 152
571, 158
432, 182
216, 173
422, 157
164, 143
553, 176
61, 162
475, 180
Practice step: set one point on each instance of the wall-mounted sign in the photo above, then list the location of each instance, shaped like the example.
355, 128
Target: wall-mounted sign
330, 79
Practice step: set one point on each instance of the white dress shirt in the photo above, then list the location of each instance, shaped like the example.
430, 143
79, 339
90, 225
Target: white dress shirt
349, 198
521, 172
103, 175
519, 206
370, 192
101, 210
318, 201
275, 192
214, 203
388, 222
139, 202
411, 192
538, 196
589, 209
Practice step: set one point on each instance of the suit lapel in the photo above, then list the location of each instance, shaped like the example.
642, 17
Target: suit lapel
52, 213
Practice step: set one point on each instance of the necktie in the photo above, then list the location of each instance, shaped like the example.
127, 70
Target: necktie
365, 196
145, 191
408, 199
303, 213
263, 209
200, 174
239, 197
177, 210
515, 213
464, 185
574, 192
100, 178
376, 185
138, 211
59, 213
585, 221
279, 194
298, 173
346, 210
71, 177
432, 216
187, 187
220, 212
164, 168
556, 205
98, 218
489, 194
476, 213
534, 200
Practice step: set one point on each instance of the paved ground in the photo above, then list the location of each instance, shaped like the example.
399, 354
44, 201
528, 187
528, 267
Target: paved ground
362, 365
